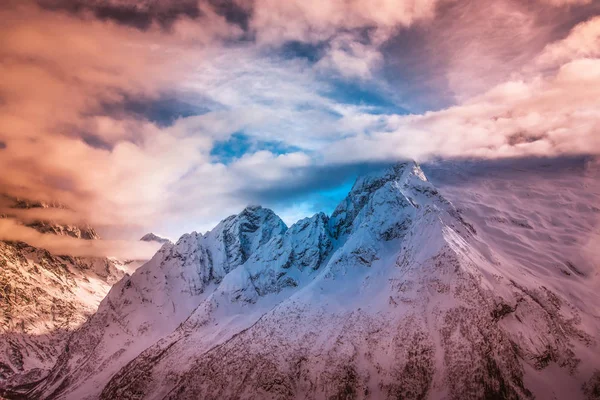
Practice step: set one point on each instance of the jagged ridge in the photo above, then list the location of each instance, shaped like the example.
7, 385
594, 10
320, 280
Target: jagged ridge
44, 297
393, 296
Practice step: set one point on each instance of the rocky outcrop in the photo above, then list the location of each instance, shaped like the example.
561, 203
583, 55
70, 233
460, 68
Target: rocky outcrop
44, 297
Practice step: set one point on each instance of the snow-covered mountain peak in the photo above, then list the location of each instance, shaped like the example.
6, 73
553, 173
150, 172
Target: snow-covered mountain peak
383, 200
393, 296
251, 219
370, 182
240, 235
151, 237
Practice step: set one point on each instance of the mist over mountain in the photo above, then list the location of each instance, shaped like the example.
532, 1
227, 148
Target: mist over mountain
299, 199
476, 288
151, 237
45, 296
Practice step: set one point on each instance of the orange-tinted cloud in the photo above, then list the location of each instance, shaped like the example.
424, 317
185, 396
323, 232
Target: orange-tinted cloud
10, 230
59, 70
313, 20
518, 90
582, 42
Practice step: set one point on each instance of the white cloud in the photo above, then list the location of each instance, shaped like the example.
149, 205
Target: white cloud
554, 116
165, 177
350, 57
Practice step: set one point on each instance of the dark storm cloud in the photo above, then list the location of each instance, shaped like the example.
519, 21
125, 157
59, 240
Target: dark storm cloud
310, 180
163, 110
233, 12
96, 142
140, 15
309, 51
465, 171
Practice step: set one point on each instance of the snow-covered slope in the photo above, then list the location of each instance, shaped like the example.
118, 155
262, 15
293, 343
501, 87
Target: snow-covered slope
157, 298
398, 294
44, 297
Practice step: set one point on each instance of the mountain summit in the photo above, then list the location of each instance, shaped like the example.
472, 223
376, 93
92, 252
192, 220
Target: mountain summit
151, 237
394, 295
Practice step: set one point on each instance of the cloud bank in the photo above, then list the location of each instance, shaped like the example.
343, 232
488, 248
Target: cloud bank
11, 230
116, 108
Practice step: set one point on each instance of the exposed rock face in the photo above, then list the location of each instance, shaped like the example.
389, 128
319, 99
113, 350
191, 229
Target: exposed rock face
78, 232
394, 296
44, 297
151, 237
43, 226
160, 295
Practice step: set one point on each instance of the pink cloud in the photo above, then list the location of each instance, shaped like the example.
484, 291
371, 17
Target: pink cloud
11, 230
583, 41
560, 3
557, 115
312, 20
60, 70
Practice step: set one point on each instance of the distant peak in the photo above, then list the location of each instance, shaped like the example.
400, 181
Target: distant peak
77, 231
151, 237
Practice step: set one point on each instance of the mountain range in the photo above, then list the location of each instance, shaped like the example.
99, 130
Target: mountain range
481, 286
46, 296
